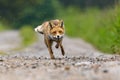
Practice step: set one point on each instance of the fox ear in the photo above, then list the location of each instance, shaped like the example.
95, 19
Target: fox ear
50, 25
62, 23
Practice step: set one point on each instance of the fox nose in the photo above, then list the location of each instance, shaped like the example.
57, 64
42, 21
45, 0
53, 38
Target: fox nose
58, 36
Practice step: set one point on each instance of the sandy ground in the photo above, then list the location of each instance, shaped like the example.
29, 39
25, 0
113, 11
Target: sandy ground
81, 61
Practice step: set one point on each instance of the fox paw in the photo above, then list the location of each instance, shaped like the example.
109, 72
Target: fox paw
63, 53
52, 57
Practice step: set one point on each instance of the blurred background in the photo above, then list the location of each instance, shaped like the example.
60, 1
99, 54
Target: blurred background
95, 21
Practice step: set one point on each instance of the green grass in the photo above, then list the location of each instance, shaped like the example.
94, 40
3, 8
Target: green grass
93, 25
116, 29
3, 27
28, 35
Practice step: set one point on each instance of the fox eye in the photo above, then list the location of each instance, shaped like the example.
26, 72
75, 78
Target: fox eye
60, 31
54, 32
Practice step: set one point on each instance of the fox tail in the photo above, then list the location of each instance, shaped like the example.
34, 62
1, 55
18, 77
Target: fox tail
39, 29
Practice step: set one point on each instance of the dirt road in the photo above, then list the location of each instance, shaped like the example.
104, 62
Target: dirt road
81, 62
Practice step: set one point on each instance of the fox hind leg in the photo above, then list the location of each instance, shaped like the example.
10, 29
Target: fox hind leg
46, 43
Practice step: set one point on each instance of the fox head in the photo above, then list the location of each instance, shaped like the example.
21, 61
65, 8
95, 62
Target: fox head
56, 29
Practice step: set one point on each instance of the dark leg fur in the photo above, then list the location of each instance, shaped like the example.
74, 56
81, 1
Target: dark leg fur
62, 49
49, 46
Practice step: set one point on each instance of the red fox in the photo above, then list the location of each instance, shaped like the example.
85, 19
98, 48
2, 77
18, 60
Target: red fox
53, 31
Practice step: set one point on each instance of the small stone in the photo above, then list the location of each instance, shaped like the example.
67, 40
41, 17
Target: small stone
73, 63
45, 58
63, 63
66, 57
67, 68
105, 71
39, 58
97, 59
24, 63
33, 67
1, 60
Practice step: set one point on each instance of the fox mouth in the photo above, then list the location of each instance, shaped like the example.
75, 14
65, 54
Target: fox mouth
58, 38
55, 38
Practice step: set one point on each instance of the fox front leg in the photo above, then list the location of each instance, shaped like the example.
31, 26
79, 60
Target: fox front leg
49, 46
57, 45
62, 49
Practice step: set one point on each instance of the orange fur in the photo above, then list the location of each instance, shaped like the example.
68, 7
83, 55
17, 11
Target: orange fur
53, 31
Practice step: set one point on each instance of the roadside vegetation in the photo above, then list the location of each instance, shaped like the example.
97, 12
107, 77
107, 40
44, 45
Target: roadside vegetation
3, 27
93, 25
28, 35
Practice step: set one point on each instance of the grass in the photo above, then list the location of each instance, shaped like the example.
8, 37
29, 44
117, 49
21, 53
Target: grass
99, 27
3, 27
116, 24
28, 35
